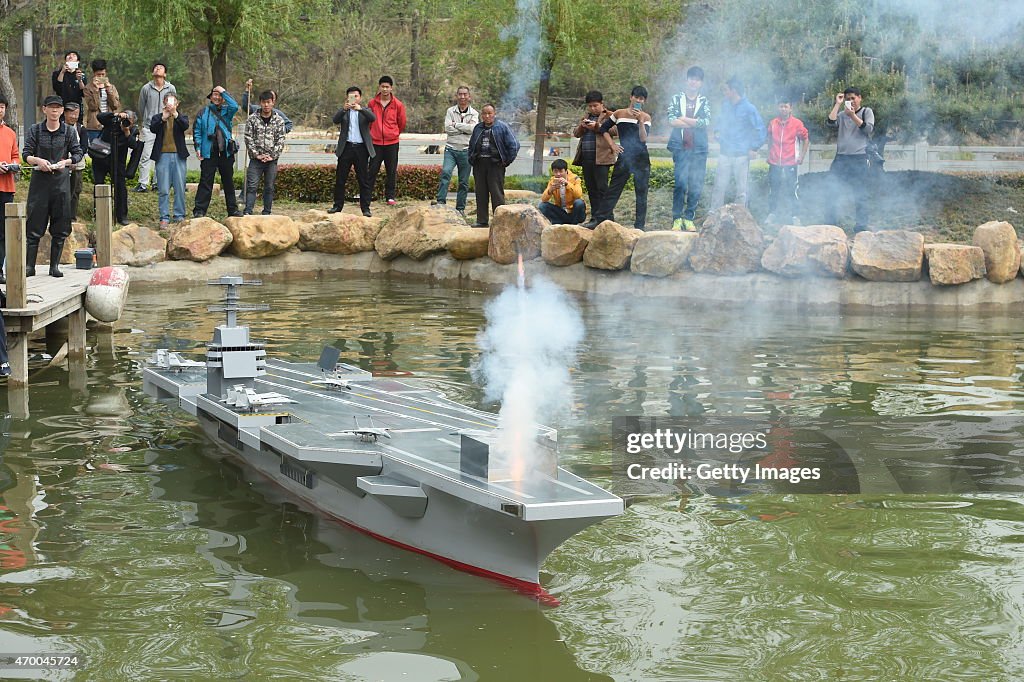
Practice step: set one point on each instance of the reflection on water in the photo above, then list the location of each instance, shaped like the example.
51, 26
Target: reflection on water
126, 535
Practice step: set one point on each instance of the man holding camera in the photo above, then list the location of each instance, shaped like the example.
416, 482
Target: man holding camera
562, 200
170, 152
120, 133
849, 170
355, 148
211, 136
69, 81
151, 102
100, 97
10, 161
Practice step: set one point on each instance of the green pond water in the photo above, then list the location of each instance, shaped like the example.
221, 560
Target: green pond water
128, 537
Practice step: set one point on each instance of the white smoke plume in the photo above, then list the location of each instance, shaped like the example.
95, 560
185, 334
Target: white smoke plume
528, 346
524, 67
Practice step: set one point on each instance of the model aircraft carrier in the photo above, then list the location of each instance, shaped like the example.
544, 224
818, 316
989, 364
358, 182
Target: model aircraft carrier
392, 457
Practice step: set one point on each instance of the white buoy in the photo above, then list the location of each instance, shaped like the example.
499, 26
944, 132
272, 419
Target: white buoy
107, 292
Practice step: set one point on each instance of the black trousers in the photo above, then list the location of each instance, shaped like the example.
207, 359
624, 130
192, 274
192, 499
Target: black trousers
849, 175
358, 156
639, 166
595, 177
221, 163
387, 154
49, 205
489, 178
101, 168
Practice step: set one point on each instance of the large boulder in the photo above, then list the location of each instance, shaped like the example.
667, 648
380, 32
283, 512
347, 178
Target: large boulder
137, 245
954, 263
516, 230
998, 240
78, 239
663, 253
198, 239
563, 245
418, 231
809, 250
349, 234
888, 255
611, 246
259, 236
521, 196
469, 244
730, 242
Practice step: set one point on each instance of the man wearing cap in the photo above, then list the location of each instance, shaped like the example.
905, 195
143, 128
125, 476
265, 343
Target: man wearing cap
73, 118
52, 147
211, 137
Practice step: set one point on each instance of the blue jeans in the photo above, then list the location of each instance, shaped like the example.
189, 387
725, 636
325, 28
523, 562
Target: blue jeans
690, 170
557, 215
170, 172
453, 158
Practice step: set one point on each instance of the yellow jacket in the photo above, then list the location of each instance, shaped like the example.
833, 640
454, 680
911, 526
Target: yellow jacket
573, 191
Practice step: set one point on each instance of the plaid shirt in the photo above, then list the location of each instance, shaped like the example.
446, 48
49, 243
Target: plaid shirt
264, 138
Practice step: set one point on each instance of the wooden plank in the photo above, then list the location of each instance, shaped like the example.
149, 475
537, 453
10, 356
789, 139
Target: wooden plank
104, 224
17, 351
14, 226
76, 334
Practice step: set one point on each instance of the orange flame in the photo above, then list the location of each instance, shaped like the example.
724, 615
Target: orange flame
522, 273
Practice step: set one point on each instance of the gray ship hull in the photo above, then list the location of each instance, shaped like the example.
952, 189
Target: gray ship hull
407, 489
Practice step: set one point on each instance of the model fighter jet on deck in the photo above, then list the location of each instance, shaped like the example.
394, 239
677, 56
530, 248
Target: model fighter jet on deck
165, 359
367, 434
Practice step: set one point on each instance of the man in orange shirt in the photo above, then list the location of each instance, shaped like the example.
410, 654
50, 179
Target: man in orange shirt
787, 146
562, 200
8, 155
385, 132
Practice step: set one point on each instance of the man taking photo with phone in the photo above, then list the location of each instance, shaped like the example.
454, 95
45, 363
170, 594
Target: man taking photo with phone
849, 170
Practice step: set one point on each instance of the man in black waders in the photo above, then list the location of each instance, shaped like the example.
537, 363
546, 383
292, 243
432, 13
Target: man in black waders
53, 148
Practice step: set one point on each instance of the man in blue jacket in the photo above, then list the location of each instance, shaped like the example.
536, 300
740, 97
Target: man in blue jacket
211, 136
741, 132
492, 148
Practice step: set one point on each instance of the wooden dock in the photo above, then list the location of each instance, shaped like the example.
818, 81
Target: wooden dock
42, 303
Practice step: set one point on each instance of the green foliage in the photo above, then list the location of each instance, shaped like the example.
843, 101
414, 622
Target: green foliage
315, 184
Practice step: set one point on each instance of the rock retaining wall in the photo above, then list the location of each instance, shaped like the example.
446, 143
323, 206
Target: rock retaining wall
812, 266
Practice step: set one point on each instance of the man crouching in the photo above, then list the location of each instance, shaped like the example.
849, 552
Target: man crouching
562, 200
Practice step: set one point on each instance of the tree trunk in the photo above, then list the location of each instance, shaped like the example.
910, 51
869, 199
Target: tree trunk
414, 53
539, 130
7, 90
218, 62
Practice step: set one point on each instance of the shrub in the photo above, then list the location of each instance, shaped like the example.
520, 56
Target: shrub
315, 183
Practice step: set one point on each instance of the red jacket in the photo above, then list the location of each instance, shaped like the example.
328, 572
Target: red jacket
8, 154
390, 120
782, 140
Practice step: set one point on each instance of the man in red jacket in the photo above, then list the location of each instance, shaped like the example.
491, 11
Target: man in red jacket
384, 132
787, 147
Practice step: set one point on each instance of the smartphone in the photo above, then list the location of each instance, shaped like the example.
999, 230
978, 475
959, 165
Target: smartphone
638, 106
104, 80
849, 104
352, 97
